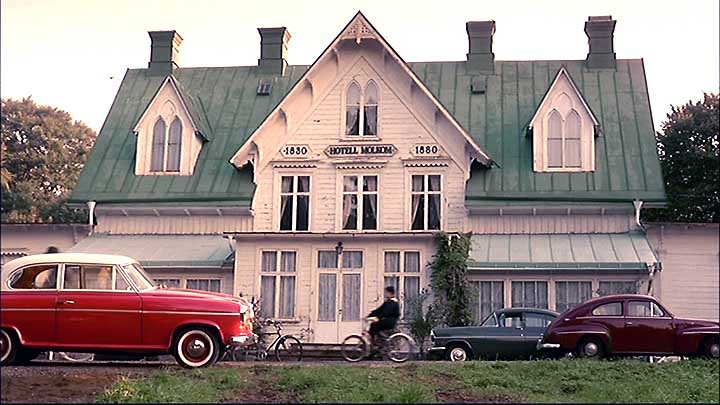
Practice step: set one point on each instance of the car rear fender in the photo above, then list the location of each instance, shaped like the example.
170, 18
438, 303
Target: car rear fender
202, 323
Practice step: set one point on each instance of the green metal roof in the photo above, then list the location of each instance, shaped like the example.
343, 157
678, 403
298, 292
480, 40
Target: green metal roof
621, 251
627, 165
162, 250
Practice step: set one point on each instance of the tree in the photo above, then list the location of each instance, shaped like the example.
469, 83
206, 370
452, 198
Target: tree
449, 281
689, 155
422, 318
43, 152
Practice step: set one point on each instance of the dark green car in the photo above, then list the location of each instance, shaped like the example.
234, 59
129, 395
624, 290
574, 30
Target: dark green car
510, 333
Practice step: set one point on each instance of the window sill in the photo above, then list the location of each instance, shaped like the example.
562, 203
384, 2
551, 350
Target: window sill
360, 138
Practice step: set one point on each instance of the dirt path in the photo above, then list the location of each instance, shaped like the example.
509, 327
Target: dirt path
62, 382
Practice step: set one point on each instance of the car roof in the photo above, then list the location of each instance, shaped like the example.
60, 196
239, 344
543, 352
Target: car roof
79, 258
521, 309
618, 297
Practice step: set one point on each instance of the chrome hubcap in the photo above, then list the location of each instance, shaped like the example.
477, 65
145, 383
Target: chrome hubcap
715, 350
458, 354
196, 348
591, 349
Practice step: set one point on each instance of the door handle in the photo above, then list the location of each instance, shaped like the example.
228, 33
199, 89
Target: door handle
66, 302
628, 323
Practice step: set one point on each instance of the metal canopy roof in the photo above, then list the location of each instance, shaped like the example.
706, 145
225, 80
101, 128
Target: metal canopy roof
162, 250
607, 252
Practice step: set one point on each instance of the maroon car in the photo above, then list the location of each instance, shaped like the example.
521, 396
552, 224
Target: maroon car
629, 325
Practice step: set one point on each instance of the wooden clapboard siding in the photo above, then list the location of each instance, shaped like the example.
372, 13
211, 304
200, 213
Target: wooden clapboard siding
173, 224
690, 278
536, 224
398, 124
248, 269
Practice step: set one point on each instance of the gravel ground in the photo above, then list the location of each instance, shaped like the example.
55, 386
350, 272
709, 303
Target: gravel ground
67, 382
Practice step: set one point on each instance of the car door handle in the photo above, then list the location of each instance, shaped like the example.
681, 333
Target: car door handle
628, 323
66, 302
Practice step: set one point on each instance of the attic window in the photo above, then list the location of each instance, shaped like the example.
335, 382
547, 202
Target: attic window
264, 88
563, 130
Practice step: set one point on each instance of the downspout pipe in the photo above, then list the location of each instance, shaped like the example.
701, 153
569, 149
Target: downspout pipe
638, 206
91, 215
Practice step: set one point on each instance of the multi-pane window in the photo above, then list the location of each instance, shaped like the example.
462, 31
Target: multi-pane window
360, 202
294, 203
530, 294
349, 289
361, 110
277, 284
426, 201
487, 297
571, 293
203, 284
402, 271
563, 140
166, 146
169, 282
617, 287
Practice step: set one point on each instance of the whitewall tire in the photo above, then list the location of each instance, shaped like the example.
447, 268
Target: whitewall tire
458, 353
8, 348
196, 348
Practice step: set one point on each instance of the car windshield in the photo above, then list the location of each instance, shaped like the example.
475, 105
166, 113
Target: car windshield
490, 320
138, 276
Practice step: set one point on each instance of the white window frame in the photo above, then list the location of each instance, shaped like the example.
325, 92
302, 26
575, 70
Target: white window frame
401, 274
361, 113
208, 279
277, 275
426, 193
294, 195
360, 193
166, 145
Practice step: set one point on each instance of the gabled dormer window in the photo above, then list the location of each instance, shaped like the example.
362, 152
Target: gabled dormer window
169, 137
361, 110
563, 130
166, 146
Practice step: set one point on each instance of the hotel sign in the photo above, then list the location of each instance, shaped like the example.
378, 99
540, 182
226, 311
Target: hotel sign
355, 150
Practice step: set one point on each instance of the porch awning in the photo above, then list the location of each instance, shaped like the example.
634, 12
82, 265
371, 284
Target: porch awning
162, 250
563, 252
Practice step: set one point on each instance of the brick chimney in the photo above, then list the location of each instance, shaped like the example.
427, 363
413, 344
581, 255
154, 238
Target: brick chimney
164, 52
273, 50
480, 57
600, 30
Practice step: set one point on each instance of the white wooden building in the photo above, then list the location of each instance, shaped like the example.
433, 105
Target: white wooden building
313, 187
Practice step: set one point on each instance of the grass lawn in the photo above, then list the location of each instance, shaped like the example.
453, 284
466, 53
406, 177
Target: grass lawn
537, 381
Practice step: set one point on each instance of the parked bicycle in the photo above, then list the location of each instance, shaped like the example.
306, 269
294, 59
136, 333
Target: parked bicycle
285, 347
397, 347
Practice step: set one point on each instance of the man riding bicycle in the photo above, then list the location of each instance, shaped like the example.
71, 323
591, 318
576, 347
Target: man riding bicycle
385, 316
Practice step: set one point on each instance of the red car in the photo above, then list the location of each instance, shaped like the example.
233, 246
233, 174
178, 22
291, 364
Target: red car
108, 304
629, 325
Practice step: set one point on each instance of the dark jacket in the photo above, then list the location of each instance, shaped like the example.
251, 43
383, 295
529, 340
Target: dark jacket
390, 310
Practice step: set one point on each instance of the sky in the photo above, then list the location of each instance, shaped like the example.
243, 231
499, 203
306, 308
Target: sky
72, 54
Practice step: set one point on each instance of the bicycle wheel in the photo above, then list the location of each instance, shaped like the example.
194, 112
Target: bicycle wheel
354, 348
399, 348
288, 348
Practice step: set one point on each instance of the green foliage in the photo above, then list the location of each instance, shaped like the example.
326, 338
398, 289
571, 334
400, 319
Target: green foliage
689, 150
567, 380
448, 279
424, 317
43, 152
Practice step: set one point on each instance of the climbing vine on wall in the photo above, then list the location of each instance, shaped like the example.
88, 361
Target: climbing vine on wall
448, 279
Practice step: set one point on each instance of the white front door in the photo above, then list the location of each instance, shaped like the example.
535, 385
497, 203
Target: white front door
339, 295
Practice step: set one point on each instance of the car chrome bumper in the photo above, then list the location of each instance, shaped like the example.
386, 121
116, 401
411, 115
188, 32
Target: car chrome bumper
241, 340
540, 345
